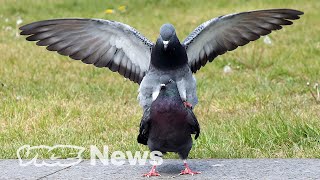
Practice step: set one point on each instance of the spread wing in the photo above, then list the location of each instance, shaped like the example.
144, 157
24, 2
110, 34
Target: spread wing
102, 43
226, 33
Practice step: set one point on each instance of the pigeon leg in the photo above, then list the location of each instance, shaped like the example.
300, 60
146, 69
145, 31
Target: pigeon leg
152, 172
187, 104
187, 170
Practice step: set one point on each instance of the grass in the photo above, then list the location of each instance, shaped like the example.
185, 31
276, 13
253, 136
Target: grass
263, 109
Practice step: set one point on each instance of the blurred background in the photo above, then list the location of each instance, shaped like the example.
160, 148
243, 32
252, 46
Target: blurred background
259, 101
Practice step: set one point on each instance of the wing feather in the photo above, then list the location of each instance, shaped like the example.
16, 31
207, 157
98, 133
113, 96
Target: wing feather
226, 33
102, 43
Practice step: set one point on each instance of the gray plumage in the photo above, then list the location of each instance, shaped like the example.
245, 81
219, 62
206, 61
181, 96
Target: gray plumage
167, 125
123, 49
226, 33
102, 43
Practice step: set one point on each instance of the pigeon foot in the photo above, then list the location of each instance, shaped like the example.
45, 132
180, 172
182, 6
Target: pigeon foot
187, 104
187, 170
152, 172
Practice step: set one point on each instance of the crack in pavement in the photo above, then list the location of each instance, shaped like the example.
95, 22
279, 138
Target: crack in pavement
45, 176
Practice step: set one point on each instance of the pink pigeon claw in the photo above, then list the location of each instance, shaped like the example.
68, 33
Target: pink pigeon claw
152, 172
187, 170
187, 104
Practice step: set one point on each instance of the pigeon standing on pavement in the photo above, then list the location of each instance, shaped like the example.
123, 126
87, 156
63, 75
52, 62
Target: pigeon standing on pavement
167, 126
123, 49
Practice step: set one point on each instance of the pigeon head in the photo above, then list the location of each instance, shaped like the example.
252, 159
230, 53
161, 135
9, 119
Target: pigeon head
169, 89
167, 34
168, 52
169, 84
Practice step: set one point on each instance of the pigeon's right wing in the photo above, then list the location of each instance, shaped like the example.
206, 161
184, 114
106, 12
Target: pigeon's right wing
226, 33
102, 43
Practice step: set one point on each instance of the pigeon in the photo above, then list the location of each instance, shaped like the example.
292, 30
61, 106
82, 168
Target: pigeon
122, 49
167, 126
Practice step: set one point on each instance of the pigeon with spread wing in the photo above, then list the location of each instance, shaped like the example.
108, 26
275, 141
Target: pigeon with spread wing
123, 49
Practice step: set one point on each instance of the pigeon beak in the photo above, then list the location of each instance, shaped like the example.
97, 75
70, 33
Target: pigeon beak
162, 86
165, 44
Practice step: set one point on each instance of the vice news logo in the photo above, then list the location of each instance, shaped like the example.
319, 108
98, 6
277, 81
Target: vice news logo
70, 155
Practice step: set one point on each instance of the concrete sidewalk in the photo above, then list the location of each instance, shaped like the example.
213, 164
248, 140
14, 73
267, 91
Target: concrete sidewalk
210, 168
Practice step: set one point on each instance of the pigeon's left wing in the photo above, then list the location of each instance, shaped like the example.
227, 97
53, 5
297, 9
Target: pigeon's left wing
226, 33
144, 128
102, 43
193, 122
